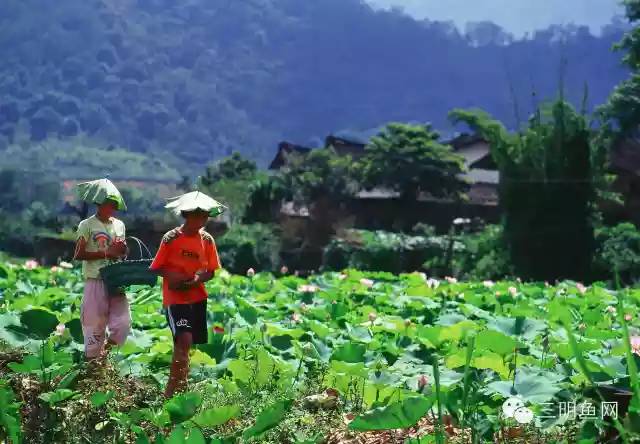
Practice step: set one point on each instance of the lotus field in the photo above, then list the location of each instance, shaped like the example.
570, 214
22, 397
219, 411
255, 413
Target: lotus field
348, 357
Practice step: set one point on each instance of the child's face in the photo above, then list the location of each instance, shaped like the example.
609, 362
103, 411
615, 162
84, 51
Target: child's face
108, 208
197, 219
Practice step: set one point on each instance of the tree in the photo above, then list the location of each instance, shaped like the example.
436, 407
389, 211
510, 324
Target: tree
230, 181
409, 159
320, 173
546, 190
621, 114
324, 182
230, 168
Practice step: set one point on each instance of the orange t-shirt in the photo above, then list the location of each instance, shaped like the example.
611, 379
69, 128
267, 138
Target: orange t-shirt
185, 254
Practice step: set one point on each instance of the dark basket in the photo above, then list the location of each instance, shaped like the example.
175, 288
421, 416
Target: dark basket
129, 272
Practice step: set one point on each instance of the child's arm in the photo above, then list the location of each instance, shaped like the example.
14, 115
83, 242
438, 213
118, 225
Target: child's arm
206, 275
115, 251
177, 281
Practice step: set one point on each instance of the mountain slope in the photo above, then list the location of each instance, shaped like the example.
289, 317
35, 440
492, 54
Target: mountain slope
200, 78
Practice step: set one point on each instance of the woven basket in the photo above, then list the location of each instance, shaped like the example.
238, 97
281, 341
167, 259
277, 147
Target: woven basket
129, 272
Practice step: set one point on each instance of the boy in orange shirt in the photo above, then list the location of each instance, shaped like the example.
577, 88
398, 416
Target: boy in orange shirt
187, 258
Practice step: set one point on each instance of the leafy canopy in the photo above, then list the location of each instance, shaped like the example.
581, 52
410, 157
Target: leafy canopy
409, 159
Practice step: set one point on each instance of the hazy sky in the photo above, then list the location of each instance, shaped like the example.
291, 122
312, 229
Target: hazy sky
516, 16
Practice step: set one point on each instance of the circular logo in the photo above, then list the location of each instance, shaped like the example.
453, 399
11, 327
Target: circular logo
511, 405
523, 415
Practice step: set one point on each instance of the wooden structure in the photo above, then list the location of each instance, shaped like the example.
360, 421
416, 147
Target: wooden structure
482, 175
383, 209
344, 147
286, 149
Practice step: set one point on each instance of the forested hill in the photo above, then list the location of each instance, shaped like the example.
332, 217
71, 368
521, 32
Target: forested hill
202, 77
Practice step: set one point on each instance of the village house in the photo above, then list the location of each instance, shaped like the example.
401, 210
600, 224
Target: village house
383, 209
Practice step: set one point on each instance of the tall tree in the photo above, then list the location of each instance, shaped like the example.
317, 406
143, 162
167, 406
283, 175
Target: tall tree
546, 190
324, 182
409, 159
230, 180
621, 114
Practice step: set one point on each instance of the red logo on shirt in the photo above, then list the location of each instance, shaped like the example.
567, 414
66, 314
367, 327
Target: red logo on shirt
102, 239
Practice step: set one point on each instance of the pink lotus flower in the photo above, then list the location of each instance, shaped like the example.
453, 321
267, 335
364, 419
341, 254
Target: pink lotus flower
296, 318
366, 282
513, 291
451, 280
488, 284
635, 344
284, 269
60, 329
422, 381
628, 317
373, 316
251, 272
66, 265
31, 264
308, 288
581, 288
433, 283
55, 269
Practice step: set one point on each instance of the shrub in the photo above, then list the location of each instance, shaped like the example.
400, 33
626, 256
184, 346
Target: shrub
249, 246
385, 251
485, 255
618, 249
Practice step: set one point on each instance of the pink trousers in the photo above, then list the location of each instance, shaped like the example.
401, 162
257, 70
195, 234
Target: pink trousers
99, 311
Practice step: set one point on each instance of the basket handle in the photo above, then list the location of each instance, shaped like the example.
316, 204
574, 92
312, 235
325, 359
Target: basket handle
140, 245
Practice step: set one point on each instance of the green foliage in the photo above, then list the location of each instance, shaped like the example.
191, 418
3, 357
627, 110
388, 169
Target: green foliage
621, 114
10, 429
384, 251
400, 415
38, 322
485, 255
232, 181
409, 159
79, 158
143, 203
265, 195
391, 346
546, 190
98, 68
618, 251
319, 174
268, 419
183, 407
232, 167
249, 246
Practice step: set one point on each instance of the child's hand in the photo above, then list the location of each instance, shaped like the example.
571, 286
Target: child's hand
117, 249
203, 276
177, 280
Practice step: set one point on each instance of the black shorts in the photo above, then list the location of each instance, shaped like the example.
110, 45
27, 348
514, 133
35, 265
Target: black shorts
190, 318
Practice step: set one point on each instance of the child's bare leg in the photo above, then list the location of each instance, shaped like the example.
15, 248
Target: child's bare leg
179, 371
